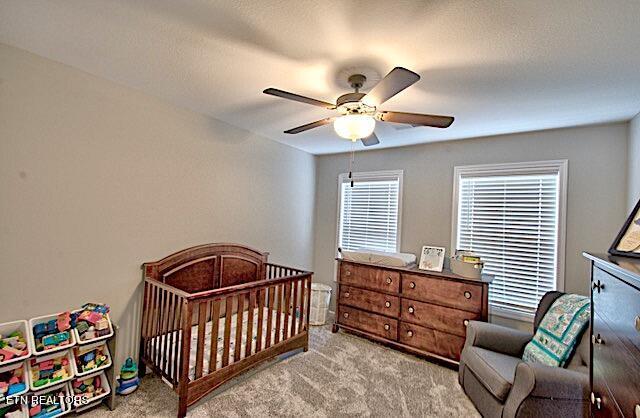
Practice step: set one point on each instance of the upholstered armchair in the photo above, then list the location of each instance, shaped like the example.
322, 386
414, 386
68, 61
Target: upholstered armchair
501, 385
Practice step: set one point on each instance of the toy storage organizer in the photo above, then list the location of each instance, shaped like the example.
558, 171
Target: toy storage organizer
106, 344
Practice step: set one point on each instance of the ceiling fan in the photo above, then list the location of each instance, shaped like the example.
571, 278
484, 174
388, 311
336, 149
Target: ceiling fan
359, 111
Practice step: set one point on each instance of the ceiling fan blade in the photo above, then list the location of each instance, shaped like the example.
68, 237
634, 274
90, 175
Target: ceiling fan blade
308, 126
370, 140
393, 83
435, 121
298, 98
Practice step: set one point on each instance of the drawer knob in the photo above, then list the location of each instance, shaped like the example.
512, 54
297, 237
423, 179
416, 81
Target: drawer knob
346, 314
465, 322
387, 304
412, 285
596, 400
410, 333
467, 294
597, 339
389, 280
346, 294
387, 327
637, 323
598, 287
411, 310
347, 273
638, 411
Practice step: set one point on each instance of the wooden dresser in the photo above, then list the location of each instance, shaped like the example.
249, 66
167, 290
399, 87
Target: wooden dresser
615, 336
420, 312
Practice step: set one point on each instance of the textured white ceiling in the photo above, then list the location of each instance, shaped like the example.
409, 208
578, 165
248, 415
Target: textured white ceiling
497, 66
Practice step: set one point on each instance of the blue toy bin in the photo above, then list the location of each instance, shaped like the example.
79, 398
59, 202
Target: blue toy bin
86, 348
25, 374
32, 339
7, 328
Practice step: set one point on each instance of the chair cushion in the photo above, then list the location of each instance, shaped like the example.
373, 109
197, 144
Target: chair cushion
496, 371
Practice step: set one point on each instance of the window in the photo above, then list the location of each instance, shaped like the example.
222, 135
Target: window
369, 212
512, 215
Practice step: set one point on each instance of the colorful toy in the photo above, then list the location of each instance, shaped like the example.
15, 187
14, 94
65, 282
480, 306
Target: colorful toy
12, 382
52, 405
128, 381
53, 333
13, 345
49, 371
10, 411
89, 387
89, 358
92, 322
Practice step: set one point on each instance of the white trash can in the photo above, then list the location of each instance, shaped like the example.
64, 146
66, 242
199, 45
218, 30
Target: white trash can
320, 299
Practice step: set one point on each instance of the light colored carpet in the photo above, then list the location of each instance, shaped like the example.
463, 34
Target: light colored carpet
341, 375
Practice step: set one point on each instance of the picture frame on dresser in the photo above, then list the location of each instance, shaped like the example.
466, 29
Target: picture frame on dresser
432, 258
627, 242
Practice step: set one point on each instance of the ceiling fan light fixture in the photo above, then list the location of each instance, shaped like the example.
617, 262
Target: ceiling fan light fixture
354, 126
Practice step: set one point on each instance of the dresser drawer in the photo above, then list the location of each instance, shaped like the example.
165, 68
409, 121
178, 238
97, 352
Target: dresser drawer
603, 404
619, 304
372, 323
369, 300
459, 295
616, 366
453, 321
370, 277
433, 341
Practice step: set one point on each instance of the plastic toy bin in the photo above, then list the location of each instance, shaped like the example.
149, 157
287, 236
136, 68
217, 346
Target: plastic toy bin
79, 405
77, 370
79, 339
55, 390
25, 378
22, 326
19, 410
53, 356
32, 339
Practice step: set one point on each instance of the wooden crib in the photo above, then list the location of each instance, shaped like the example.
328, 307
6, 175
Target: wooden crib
213, 311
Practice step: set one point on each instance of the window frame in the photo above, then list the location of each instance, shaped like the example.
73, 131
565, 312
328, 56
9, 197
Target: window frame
522, 168
371, 175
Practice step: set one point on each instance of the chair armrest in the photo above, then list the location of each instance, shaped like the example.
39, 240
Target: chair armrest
497, 338
536, 384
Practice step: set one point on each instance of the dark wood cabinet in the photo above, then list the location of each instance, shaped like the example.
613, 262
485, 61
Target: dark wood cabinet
424, 313
615, 339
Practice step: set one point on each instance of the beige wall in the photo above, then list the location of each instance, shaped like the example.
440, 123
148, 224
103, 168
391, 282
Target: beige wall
634, 163
596, 189
96, 178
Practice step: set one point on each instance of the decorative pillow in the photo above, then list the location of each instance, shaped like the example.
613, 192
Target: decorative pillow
560, 330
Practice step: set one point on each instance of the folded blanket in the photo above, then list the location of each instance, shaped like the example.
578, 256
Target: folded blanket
559, 331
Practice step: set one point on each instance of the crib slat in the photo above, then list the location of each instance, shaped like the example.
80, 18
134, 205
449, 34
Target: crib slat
170, 335
308, 302
239, 318
261, 296
303, 287
267, 343
147, 315
250, 310
279, 312
227, 330
294, 303
152, 322
165, 335
202, 325
178, 336
156, 353
287, 301
215, 321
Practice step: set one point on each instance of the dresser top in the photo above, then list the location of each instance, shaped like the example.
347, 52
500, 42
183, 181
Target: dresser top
445, 273
623, 266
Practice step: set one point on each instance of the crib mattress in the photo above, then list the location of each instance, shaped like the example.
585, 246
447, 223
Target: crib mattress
232, 340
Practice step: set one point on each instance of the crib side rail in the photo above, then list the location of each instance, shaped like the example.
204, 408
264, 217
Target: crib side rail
249, 318
165, 318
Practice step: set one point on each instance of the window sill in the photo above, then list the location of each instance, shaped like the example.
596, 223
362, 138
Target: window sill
509, 314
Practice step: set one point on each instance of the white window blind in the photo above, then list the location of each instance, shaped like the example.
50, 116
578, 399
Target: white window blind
511, 219
369, 211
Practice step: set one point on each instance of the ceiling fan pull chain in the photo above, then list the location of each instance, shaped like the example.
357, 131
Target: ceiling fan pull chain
351, 160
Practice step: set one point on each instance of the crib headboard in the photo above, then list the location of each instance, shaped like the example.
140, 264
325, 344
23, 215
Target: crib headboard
209, 266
